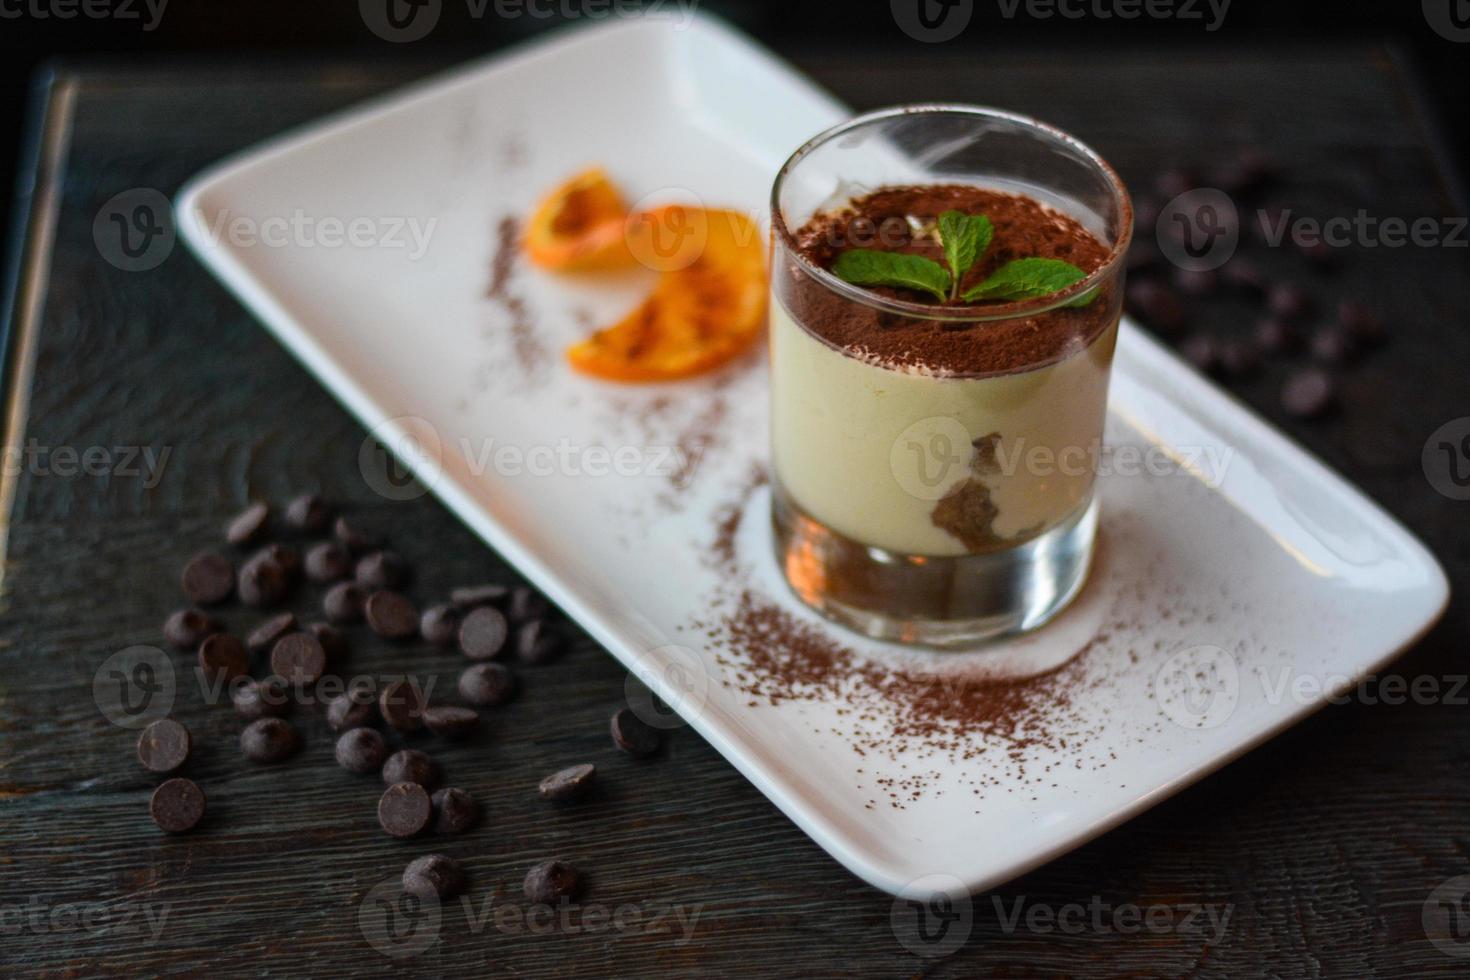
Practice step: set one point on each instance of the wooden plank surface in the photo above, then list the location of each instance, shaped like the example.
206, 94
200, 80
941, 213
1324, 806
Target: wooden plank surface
1323, 847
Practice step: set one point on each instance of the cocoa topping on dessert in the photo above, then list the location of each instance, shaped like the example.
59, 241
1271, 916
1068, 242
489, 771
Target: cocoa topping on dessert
901, 219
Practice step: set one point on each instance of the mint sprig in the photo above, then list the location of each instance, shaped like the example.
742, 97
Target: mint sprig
965, 239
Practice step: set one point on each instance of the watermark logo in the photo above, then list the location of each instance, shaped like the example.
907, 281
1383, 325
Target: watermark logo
395, 452
135, 687
1198, 687
929, 455
134, 230
1199, 230
682, 681
302, 229
400, 21
1450, 19
937, 917
1446, 459
1446, 917
396, 923
1099, 916
932, 21
1361, 230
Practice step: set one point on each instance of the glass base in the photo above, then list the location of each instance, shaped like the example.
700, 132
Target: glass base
944, 602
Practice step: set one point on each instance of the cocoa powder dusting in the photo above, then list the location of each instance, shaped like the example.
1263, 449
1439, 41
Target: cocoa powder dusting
886, 220
530, 353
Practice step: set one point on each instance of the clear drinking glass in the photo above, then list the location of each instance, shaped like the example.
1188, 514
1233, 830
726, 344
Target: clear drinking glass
870, 459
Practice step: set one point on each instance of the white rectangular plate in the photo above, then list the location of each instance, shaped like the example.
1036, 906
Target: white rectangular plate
1233, 594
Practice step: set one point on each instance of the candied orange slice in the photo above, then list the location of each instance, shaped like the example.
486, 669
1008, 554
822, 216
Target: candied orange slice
579, 226
705, 311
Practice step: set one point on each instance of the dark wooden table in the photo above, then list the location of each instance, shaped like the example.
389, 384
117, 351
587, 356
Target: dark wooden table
1323, 846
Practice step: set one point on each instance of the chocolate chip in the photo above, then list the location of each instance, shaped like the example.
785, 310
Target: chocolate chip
1331, 345
187, 628
327, 562
343, 603
332, 641
449, 721
433, 876
568, 784
404, 809
269, 740
482, 634
361, 750
410, 766
1307, 394
1361, 323
177, 805
1196, 282
1276, 336
526, 603
284, 555
1244, 276
308, 513
222, 657
264, 636
354, 537
391, 615
634, 736
402, 705
455, 811
353, 708
1202, 351
439, 624
487, 685
269, 698
248, 525
470, 596
551, 881
299, 658
381, 570
164, 746
263, 582
1289, 301
1156, 305
208, 578
537, 644
1238, 359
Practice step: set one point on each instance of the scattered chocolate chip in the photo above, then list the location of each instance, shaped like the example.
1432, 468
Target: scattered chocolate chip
1289, 301
332, 641
391, 615
263, 582
526, 603
381, 570
269, 698
361, 750
439, 624
633, 735
284, 555
404, 809
550, 881
1196, 282
455, 811
1307, 393
248, 525
402, 705
1331, 345
449, 721
1244, 275
354, 537
1202, 351
222, 657
208, 578
187, 628
568, 784
1238, 359
343, 603
487, 685
264, 636
269, 740
177, 805
433, 876
308, 513
299, 658
470, 596
410, 766
164, 746
1156, 305
327, 562
482, 633
1276, 336
1361, 323
537, 644
353, 708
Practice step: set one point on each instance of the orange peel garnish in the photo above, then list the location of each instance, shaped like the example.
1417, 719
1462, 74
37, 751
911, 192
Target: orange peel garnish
580, 226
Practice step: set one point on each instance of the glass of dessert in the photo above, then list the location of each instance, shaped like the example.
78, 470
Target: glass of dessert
946, 286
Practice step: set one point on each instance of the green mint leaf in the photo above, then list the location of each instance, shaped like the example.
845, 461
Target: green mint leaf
1027, 279
965, 238
867, 267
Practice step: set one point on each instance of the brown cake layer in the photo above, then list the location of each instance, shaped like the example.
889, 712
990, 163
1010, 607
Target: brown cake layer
884, 220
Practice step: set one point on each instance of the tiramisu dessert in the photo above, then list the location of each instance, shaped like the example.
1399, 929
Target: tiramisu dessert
940, 355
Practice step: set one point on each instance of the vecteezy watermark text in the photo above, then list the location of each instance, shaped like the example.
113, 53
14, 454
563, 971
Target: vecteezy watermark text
1209, 12
1099, 916
301, 229
405, 21
150, 12
38, 917
129, 462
